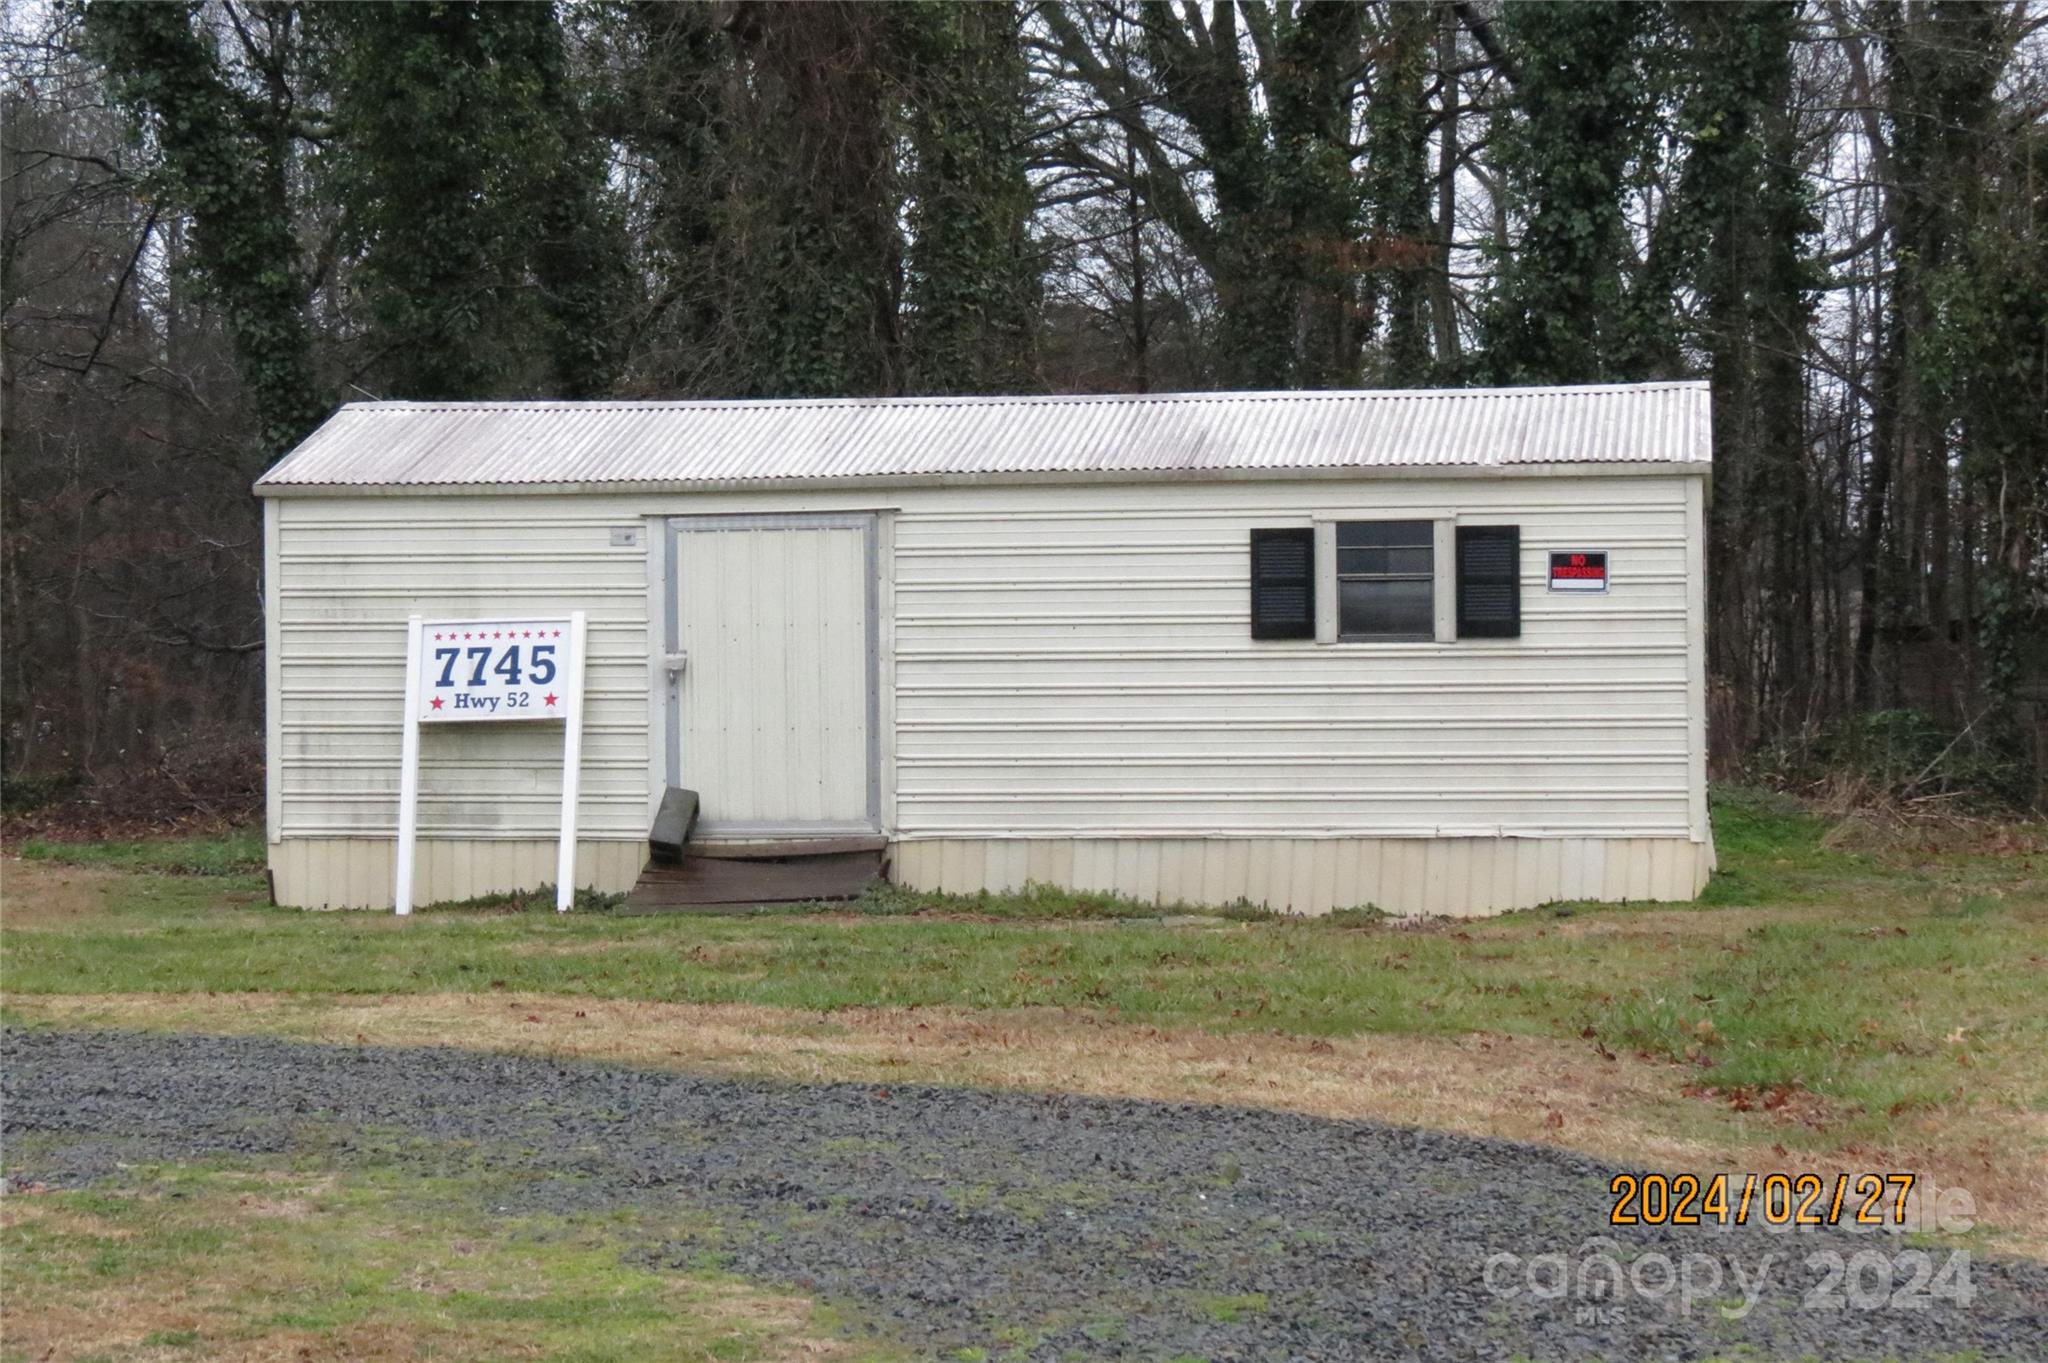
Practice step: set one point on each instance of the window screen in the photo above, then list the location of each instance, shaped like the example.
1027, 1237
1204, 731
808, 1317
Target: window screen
1283, 584
1489, 582
1385, 580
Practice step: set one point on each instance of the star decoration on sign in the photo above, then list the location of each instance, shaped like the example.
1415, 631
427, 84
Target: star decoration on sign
550, 698
437, 702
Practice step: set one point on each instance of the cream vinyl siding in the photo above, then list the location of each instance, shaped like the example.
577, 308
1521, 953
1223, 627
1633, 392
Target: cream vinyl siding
348, 574
1078, 662
1059, 663
357, 873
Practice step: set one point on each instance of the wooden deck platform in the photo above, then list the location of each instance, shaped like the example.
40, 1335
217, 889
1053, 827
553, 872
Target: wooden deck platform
712, 883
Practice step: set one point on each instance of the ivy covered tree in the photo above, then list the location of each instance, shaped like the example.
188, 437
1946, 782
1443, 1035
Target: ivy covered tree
670, 102
1267, 93
228, 148
810, 216
1402, 254
972, 286
1737, 236
1965, 372
1584, 122
488, 249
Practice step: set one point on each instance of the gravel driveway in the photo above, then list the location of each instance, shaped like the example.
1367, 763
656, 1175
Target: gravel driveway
1055, 1227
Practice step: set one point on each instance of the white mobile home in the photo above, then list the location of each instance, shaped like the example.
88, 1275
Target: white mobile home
1439, 652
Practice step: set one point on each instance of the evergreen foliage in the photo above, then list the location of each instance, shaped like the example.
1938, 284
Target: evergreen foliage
972, 291
1586, 118
487, 248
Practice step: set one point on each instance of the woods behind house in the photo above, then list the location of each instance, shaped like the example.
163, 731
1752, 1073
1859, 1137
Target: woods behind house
223, 218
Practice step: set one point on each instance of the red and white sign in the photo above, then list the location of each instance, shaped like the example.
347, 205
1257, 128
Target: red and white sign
1578, 570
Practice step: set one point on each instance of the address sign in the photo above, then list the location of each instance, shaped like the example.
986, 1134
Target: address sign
493, 669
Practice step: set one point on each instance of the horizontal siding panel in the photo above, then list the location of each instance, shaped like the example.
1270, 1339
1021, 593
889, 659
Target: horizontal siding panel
351, 574
1207, 635
328, 781
487, 571
1047, 640
1393, 745
358, 872
1068, 667
1426, 706
1620, 502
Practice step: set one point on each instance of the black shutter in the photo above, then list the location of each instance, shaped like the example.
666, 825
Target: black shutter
1489, 581
1284, 584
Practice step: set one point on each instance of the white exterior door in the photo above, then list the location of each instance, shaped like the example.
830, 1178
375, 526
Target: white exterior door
772, 715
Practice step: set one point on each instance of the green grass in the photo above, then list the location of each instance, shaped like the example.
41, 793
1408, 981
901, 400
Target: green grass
1228, 1310
1881, 982
239, 852
268, 1260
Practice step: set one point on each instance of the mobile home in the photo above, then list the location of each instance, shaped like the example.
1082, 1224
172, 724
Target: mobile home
1431, 651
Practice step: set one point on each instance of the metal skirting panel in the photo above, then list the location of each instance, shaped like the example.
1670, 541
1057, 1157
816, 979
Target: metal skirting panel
356, 873
1452, 877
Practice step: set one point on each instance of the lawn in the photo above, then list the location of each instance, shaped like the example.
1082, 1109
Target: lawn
267, 1260
1845, 995
1880, 980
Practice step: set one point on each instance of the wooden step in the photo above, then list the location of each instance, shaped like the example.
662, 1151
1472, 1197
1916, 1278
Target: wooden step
707, 882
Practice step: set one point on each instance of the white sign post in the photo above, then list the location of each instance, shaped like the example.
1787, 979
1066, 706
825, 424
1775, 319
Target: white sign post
467, 671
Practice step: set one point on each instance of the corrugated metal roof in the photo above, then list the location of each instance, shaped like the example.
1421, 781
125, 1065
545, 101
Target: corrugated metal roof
727, 443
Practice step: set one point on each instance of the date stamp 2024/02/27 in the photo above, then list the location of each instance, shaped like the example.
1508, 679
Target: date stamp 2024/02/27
1865, 1200
1600, 1277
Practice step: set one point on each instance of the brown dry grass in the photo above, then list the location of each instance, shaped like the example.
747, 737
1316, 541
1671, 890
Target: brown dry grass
1563, 1094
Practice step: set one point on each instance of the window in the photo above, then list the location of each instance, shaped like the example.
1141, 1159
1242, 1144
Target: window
1386, 580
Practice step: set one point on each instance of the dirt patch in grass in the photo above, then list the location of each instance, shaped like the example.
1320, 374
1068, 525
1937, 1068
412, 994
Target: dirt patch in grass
44, 896
1683, 924
136, 1328
1572, 1095
297, 1202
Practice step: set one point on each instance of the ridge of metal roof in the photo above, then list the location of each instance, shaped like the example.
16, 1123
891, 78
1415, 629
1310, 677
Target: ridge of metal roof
1006, 399
728, 442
